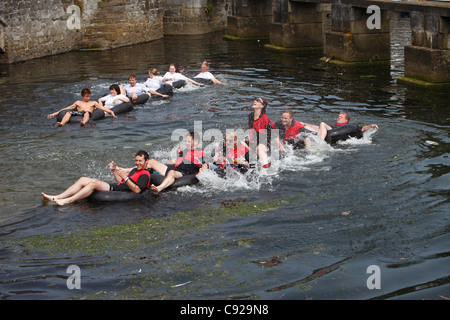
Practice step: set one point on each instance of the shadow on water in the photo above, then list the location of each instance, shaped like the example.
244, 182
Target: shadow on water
307, 228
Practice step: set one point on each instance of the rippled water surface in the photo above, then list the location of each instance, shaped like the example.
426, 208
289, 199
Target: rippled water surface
308, 228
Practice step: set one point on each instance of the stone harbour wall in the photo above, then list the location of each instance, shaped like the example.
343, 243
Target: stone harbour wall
36, 28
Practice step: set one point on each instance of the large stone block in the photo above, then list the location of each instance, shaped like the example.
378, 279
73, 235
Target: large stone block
358, 47
248, 27
305, 35
429, 65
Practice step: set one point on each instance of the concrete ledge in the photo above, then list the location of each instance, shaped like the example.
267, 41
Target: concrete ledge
428, 65
335, 61
421, 83
291, 49
235, 38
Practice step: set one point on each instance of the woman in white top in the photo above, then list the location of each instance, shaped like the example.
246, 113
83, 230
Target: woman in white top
114, 98
155, 82
138, 92
205, 74
176, 79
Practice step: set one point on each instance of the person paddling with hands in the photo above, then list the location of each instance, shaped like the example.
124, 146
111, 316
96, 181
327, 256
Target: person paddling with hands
84, 108
135, 180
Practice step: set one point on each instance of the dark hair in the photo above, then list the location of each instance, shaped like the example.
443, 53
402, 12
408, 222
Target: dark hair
153, 71
194, 135
115, 87
85, 91
132, 76
143, 153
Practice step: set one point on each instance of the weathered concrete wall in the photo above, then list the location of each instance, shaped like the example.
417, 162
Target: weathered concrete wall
250, 18
36, 28
195, 16
118, 23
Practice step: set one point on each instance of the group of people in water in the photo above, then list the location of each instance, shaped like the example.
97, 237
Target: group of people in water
136, 93
231, 153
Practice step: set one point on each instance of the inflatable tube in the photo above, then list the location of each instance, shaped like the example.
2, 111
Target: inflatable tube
178, 84
141, 99
341, 133
122, 108
190, 179
203, 80
98, 114
116, 196
155, 178
164, 89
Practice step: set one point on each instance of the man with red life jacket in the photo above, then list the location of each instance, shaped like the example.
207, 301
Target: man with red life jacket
325, 132
188, 162
288, 131
135, 180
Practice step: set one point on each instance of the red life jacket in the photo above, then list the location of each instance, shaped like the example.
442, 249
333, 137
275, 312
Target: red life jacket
193, 156
259, 125
291, 132
232, 155
341, 124
136, 174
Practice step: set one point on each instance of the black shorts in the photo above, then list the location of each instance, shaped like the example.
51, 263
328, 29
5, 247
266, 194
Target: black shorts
118, 187
172, 167
79, 113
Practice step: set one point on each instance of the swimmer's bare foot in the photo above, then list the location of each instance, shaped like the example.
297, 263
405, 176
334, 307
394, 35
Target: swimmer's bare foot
82, 123
59, 124
47, 197
154, 189
60, 202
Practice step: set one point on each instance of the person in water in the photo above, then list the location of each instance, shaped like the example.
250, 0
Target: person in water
288, 132
188, 161
135, 180
230, 153
155, 82
206, 75
134, 90
84, 108
342, 119
176, 79
114, 98
258, 124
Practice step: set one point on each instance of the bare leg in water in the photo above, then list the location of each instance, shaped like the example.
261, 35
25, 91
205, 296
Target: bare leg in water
81, 189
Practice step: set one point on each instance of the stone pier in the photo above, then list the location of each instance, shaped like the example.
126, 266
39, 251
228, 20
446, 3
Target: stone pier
351, 40
296, 26
427, 59
249, 19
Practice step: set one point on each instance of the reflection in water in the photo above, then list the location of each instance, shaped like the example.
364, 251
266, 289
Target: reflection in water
306, 228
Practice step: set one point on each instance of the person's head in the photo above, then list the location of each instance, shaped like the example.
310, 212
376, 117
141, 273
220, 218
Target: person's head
153, 72
260, 104
192, 140
86, 94
140, 159
132, 80
172, 68
231, 139
286, 117
205, 66
114, 89
343, 117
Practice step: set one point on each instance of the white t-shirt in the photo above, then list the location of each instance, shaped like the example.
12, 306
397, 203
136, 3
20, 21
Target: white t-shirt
175, 76
154, 83
138, 89
108, 100
205, 75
